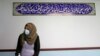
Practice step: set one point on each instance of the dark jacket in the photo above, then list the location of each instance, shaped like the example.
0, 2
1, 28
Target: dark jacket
36, 46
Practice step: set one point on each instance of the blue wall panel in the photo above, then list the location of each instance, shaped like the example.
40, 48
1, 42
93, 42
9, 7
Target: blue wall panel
62, 53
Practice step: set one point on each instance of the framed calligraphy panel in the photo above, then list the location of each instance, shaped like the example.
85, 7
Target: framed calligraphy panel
36, 8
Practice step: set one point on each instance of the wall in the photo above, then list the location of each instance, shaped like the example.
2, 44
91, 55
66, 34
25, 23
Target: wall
54, 31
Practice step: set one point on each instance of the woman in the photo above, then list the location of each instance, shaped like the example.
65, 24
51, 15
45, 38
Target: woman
28, 42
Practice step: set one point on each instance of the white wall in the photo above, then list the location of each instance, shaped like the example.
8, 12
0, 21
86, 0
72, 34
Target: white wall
54, 31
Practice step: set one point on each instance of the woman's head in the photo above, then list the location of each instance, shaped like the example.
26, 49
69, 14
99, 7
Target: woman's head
30, 32
30, 27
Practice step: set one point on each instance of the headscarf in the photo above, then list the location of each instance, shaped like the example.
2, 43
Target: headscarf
32, 35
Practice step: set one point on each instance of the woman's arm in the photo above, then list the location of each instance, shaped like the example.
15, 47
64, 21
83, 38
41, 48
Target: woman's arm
19, 47
37, 47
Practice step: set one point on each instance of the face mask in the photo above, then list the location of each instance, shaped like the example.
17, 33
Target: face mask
27, 32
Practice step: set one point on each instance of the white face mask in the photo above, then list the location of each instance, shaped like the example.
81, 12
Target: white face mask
27, 32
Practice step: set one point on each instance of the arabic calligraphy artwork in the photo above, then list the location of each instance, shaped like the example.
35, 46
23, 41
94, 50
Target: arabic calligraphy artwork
33, 8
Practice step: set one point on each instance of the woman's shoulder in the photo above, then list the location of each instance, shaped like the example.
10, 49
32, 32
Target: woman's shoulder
21, 35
